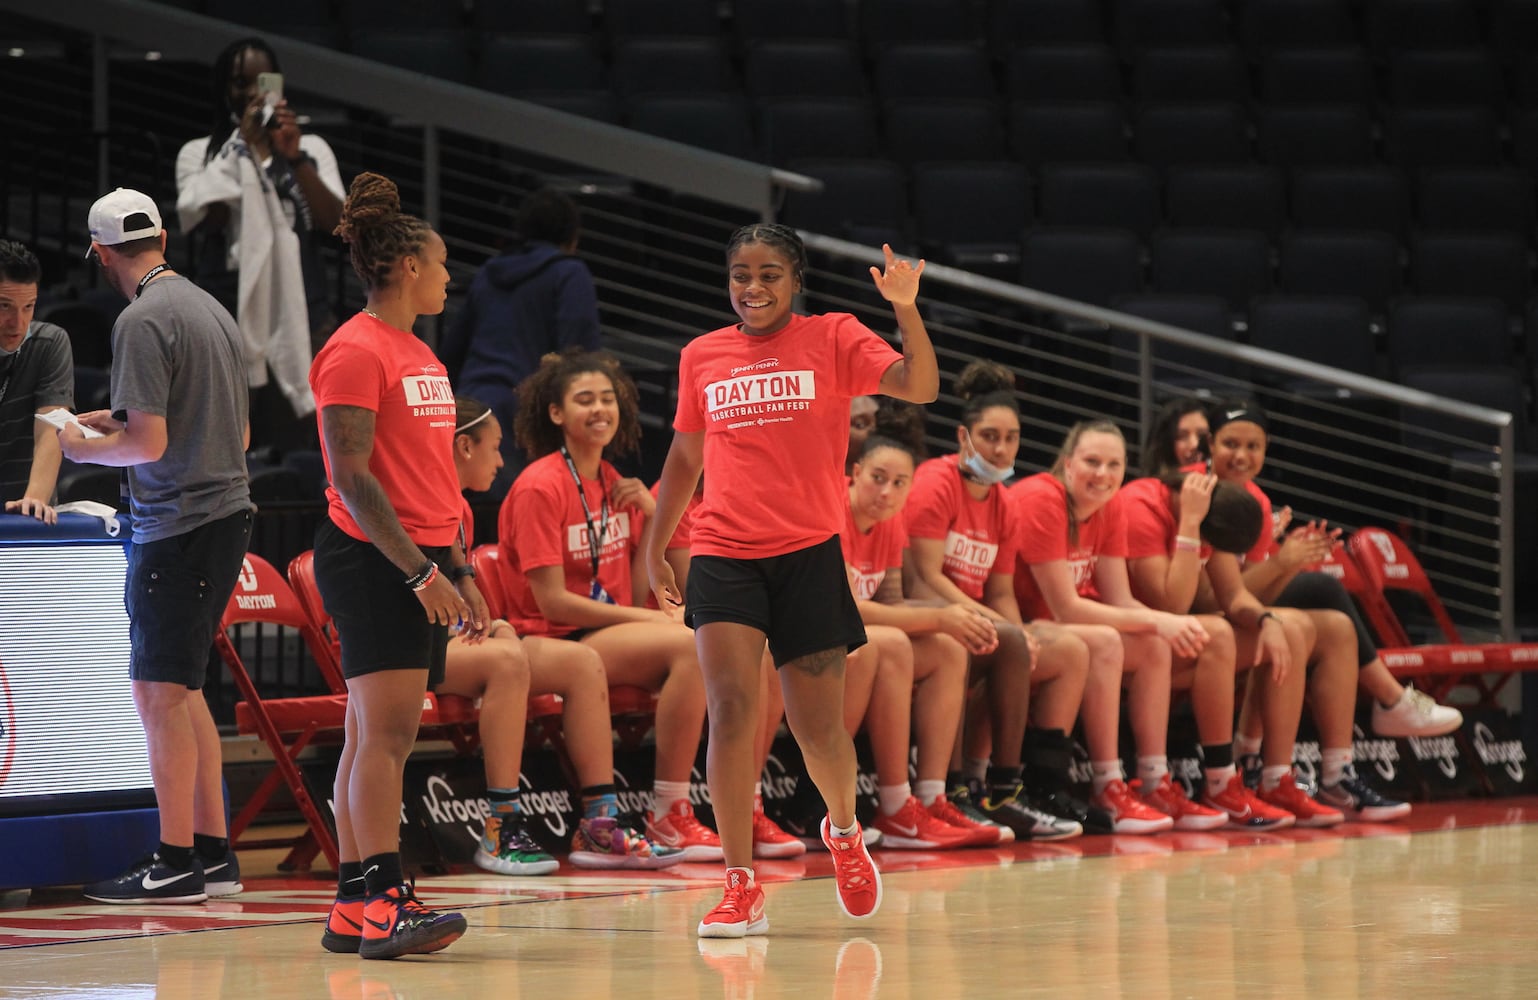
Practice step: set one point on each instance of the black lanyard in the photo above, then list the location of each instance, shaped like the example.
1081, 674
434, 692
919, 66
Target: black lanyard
10, 370
148, 277
594, 541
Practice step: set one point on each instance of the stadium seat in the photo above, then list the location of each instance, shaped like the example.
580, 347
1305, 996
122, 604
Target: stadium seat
1334, 75
1062, 73
1096, 266
1238, 196
1193, 369
553, 64
396, 15
1045, 22
917, 131
1167, 134
1480, 264
1327, 330
1445, 76
1397, 25
673, 18
974, 214
1206, 73
880, 23
1067, 132
804, 128
1365, 265
440, 52
1113, 195
1265, 25
1315, 135
757, 20
865, 201
1468, 198
1234, 265
719, 122
1441, 136
1145, 24
803, 68
1426, 331
528, 17
695, 66
930, 70
1373, 198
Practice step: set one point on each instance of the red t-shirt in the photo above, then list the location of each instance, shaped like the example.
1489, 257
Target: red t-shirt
775, 413
978, 534
871, 553
372, 365
1265, 545
542, 523
1151, 526
1041, 515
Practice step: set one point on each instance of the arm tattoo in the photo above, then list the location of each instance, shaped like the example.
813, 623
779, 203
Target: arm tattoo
819, 663
349, 429
349, 434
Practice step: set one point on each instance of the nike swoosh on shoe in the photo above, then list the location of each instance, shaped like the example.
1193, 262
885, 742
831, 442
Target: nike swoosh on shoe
151, 883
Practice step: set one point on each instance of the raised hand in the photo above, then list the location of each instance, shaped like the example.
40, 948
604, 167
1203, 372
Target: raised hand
898, 282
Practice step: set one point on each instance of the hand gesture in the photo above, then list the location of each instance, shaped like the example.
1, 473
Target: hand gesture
970, 627
898, 283
1196, 496
444, 606
475, 627
283, 131
1308, 545
1186, 636
632, 494
33, 508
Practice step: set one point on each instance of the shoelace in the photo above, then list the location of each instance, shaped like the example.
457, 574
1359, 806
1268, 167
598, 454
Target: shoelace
849, 862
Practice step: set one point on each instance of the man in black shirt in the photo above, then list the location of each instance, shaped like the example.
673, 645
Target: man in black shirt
37, 374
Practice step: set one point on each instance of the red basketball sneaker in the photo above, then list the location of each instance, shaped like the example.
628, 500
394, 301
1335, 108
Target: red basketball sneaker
740, 912
854, 873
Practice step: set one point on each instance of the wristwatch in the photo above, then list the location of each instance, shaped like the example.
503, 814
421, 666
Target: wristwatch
460, 572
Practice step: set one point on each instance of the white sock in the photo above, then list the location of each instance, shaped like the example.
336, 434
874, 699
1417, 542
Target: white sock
665, 793
1246, 745
1151, 770
928, 790
893, 797
1272, 776
1219, 777
1103, 772
1335, 762
839, 831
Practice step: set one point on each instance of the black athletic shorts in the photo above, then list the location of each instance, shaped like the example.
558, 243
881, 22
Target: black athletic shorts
175, 592
801, 600
381, 623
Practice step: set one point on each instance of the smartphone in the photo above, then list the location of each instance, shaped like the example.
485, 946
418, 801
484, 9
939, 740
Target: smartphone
270, 87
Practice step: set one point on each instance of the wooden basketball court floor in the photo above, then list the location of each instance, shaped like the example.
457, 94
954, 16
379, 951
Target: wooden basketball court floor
1441, 906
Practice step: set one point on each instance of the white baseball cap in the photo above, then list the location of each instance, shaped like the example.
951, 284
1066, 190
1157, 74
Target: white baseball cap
121, 216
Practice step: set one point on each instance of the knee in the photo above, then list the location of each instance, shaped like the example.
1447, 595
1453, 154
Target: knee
1106, 650
512, 664
1299, 628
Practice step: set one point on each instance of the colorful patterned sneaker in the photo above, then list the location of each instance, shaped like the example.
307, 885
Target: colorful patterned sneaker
1307, 812
1027, 822
1171, 799
508, 848
1128, 813
1244, 810
769, 841
1360, 801
344, 927
220, 878
956, 808
395, 923
152, 881
605, 842
854, 873
913, 828
740, 912
680, 830
1416, 714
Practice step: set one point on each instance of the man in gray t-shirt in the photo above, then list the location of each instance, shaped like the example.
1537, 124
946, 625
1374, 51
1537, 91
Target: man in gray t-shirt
178, 424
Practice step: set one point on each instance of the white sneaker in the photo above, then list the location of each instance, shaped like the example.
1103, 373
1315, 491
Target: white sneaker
1415, 715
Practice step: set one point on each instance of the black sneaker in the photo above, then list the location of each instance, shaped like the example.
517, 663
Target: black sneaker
1064, 805
1360, 801
152, 881
1028, 822
220, 878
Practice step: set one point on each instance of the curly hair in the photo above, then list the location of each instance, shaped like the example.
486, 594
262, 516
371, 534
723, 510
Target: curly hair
1234, 519
375, 229
547, 387
899, 424
983, 385
781, 238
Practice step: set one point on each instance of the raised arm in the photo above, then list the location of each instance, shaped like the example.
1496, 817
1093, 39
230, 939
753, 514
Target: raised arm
916, 377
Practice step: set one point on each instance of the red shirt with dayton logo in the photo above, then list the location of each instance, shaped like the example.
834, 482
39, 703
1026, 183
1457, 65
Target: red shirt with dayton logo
372, 365
775, 414
542, 523
869, 554
978, 534
1041, 505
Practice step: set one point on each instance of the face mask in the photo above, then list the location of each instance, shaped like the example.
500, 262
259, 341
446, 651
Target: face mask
980, 470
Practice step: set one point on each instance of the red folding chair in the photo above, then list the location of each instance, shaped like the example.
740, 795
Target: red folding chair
285, 725
1387, 564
